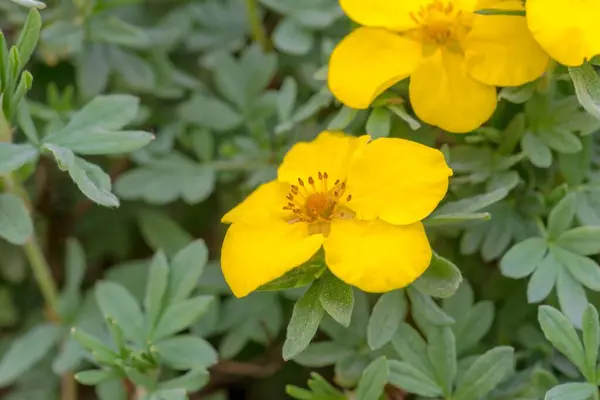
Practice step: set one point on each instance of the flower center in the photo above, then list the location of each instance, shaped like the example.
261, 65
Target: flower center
441, 24
316, 203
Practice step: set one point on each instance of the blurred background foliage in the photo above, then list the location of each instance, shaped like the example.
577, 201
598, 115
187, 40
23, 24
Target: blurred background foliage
174, 110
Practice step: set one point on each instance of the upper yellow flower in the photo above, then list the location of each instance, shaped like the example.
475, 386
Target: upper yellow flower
455, 57
362, 201
567, 29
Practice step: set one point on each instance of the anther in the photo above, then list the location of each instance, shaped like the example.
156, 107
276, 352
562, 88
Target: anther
300, 182
289, 197
311, 181
349, 197
325, 175
294, 188
336, 194
337, 182
320, 175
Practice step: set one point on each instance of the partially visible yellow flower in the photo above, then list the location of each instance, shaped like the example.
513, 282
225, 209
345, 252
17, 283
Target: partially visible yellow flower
568, 30
454, 57
362, 201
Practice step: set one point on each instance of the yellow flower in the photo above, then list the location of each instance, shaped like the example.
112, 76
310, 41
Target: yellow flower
454, 57
567, 29
362, 201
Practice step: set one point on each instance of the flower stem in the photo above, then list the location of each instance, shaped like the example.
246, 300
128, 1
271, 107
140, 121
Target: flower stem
256, 27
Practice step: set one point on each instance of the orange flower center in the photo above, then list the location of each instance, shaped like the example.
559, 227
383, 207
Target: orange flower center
441, 24
317, 204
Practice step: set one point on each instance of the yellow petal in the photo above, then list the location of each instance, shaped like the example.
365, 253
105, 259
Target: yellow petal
255, 254
567, 30
367, 62
500, 50
390, 14
376, 256
330, 152
442, 93
397, 180
266, 202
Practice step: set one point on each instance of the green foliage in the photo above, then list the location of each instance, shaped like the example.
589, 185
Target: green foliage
129, 127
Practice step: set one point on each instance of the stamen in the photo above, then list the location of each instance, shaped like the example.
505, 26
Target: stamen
320, 176
337, 182
300, 182
349, 197
325, 175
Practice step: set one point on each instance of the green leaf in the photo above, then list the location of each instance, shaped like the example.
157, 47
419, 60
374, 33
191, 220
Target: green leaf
342, 118
186, 268
110, 29
475, 326
92, 344
156, 287
387, 314
15, 223
186, 352
104, 113
587, 87
561, 140
441, 279
287, 98
14, 156
411, 347
161, 232
165, 180
379, 123
30, 3
559, 331
135, 72
583, 240
29, 36
472, 204
26, 351
425, 306
405, 376
111, 390
179, 316
442, 355
192, 381
543, 279
571, 296
93, 182
584, 269
305, 320
561, 216
572, 391
523, 258
537, 151
591, 340
116, 302
93, 70
210, 113
485, 373
292, 38
95, 376
102, 142
373, 380
25, 122
322, 354
337, 298
401, 112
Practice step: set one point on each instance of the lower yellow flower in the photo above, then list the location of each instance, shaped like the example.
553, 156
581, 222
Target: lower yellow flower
454, 57
362, 201
567, 29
